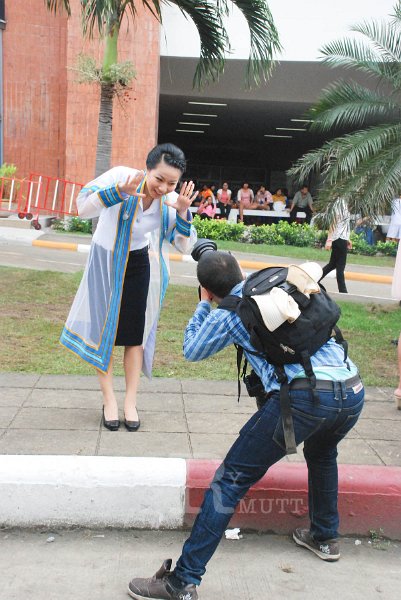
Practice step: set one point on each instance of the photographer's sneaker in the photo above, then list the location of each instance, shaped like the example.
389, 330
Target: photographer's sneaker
328, 550
160, 587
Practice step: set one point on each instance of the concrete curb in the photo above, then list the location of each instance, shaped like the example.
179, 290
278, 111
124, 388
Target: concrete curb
166, 493
245, 264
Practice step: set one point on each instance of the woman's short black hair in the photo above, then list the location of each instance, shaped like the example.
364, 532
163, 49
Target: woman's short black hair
219, 272
170, 154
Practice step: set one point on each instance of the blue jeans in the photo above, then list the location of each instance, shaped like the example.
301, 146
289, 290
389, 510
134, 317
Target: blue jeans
261, 444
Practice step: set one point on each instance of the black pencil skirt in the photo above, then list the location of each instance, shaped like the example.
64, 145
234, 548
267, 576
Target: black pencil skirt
131, 321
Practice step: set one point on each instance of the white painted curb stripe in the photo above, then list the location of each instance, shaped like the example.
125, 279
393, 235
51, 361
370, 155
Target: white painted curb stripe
83, 248
92, 491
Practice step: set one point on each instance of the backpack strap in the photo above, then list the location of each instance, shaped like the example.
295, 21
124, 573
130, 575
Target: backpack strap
285, 408
340, 340
240, 354
307, 365
230, 303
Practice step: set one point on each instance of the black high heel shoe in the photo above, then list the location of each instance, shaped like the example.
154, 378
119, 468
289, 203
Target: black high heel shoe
111, 425
132, 425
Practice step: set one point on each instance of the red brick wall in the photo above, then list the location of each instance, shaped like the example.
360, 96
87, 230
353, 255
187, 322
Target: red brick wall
135, 125
50, 121
34, 88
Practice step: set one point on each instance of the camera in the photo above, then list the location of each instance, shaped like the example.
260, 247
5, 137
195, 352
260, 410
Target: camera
203, 245
255, 389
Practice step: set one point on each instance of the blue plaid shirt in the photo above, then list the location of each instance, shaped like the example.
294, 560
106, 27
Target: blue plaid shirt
209, 331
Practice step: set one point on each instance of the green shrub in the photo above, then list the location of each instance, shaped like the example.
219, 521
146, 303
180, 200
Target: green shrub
72, 224
360, 245
296, 234
387, 248
7, 170
215, 229
265, 234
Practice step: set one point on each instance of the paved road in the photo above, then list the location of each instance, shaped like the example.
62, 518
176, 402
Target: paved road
84, 564
18, 253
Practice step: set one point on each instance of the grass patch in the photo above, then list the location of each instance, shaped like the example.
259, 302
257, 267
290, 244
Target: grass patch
306, 253
34, 305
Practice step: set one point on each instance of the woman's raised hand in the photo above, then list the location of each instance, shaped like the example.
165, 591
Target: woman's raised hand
185, 197
131, 184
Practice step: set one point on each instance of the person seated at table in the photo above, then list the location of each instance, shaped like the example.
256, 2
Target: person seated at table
245, 199
207, 209
263, 199
279, 200
302, 201
224, 201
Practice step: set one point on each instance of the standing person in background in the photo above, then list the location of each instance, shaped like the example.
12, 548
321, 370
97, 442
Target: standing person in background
302, 201
245, 198
394, 230
396, 294
126, 276
224, 201
338, 240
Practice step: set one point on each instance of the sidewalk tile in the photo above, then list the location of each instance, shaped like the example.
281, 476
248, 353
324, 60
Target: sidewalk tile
142, 443
68, 382
23, 380
160, 384
163, 422
357, 452
57, 418
389, 452
209, 423
199, 403
381, 410
377, 394
211, 445
156, 401
7, 413
199, 386
39, 441
53, 398
377, 429
13, 396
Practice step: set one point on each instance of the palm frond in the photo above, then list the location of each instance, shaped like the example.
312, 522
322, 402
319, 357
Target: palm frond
356, 54
264, 39
340, 157
383, 36
57, 5
213, 38
348, 105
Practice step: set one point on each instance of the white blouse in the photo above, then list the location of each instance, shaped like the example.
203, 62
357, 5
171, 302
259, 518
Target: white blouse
145, 222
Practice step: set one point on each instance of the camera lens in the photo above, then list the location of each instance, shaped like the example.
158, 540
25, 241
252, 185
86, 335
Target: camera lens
203, 245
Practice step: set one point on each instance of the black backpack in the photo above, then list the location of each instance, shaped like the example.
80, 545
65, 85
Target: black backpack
291, 342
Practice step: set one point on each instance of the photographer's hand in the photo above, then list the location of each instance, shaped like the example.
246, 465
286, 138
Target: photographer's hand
205, 295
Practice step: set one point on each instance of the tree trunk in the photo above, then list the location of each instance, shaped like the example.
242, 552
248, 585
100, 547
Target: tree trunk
104, 134
105, 125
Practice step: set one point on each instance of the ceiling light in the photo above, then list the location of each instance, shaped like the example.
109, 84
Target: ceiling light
189, 131
200, 124
277, 136
290, 129
208, 103
197, 115
301, 120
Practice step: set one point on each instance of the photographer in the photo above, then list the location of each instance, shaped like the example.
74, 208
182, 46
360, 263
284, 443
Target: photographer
322, 425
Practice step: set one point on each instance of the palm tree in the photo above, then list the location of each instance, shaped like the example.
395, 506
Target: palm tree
363, 165
106, 16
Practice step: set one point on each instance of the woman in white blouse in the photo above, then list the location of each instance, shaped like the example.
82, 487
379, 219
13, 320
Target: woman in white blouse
126, 276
